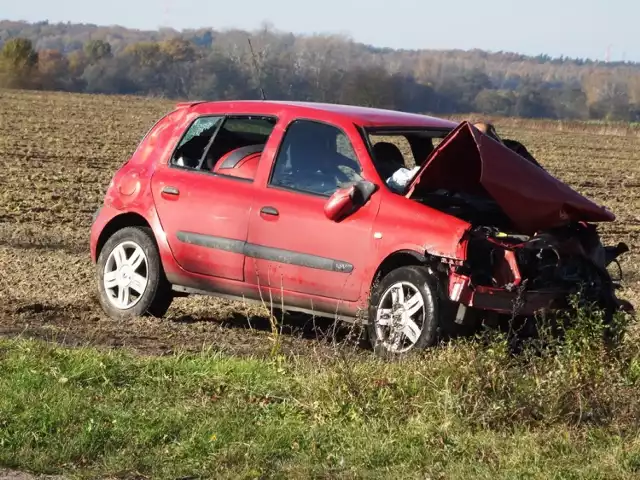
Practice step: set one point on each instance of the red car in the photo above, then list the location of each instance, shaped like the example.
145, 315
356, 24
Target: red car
291, 203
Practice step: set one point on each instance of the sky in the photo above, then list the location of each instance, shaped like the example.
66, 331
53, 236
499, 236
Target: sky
586, 29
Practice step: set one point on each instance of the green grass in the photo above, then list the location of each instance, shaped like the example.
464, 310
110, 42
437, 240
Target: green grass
466, 410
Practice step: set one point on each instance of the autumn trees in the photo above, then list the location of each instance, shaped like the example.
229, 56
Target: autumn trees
210, 64
18, 64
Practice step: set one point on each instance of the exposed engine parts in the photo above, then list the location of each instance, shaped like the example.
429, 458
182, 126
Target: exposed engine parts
570, 259
550, 264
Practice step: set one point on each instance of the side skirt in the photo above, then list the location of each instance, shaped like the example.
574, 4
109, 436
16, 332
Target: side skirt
184, 291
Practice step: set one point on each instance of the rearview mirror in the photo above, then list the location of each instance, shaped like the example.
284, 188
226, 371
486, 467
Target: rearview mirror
347, 200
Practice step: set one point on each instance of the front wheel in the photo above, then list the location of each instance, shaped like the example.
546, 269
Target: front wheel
403, 312
130, 277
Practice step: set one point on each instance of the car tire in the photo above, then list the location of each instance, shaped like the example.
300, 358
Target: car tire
130, 277
399, 324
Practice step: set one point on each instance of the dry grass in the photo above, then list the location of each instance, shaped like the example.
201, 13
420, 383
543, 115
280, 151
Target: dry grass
462, 411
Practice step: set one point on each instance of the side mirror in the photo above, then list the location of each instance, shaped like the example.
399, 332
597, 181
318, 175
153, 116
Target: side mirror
347, 200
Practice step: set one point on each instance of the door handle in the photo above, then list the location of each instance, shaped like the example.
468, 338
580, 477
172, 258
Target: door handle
269, 211
170, 191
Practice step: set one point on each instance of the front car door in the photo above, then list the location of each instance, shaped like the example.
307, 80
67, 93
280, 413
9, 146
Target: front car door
205, 213
292, 246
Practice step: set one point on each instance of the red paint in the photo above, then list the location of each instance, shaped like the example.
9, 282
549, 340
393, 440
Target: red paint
340, 204
532, 198
510, 257
245, 168
506, 269
229, 203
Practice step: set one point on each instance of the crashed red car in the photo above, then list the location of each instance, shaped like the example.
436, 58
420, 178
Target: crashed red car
288, 202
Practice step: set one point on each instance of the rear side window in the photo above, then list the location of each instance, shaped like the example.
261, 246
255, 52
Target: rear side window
238, 133
192, 147
213, 141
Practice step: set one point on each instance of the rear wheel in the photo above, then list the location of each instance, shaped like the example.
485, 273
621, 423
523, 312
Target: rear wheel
131, 280
403, 312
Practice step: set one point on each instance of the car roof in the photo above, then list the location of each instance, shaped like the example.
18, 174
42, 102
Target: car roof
363, 116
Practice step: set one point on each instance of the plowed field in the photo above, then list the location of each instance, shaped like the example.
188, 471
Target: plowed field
58, 152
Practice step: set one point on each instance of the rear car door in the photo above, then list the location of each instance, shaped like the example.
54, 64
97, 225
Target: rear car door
204, 210
292, 246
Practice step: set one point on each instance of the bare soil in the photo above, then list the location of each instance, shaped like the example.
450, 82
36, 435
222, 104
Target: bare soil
58, 152
17, 475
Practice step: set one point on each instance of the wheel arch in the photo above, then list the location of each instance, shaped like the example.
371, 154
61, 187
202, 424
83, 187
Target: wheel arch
397, 259
129, 219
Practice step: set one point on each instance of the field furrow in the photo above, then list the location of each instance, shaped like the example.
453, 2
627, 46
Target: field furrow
58, 152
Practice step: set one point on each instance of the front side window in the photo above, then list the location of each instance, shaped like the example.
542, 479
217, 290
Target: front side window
315, 158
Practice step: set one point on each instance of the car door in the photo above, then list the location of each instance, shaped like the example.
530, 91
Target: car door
205, 215
292, 246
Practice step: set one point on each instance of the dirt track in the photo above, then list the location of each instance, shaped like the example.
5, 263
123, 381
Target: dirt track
58, 152
16, 475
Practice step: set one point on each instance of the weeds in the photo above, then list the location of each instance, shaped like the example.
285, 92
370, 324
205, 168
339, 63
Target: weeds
469, 407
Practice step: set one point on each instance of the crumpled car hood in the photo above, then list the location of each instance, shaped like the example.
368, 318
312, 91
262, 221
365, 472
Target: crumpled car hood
467, 161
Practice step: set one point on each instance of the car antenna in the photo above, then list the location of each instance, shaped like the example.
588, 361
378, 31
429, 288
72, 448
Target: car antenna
259, 73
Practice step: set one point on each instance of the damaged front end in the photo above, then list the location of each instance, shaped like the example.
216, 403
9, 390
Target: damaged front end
532, 242
521, 275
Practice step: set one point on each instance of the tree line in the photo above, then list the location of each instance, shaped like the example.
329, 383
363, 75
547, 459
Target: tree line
209, 64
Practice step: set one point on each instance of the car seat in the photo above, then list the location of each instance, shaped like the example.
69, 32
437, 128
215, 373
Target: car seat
387, 158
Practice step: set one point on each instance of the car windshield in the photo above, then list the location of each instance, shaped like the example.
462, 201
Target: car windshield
398, 152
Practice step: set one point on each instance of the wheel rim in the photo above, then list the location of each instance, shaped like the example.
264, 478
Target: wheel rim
400, 317
125, 276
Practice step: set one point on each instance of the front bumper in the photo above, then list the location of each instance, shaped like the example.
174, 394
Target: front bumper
501, 300
524, 303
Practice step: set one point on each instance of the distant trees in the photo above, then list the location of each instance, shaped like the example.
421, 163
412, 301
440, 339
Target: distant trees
53, 70
96, 50
18, 64
328, 68
497, 102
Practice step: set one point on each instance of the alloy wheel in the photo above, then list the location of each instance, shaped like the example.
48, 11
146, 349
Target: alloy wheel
400, 317
125, 275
